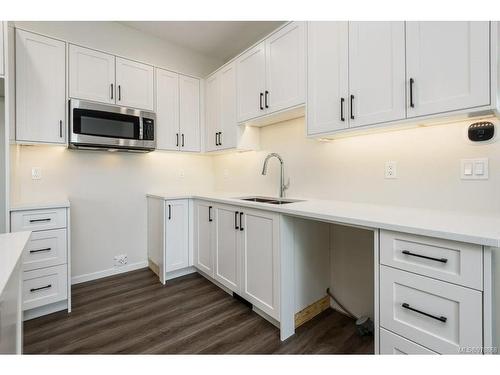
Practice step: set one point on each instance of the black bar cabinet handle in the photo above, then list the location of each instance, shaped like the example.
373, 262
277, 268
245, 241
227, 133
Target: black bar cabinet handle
352, 107
182, 139
210, 213
260, 101
236, 220
241, 221
60, 128
119, 92
112, 89
40, 250
440, 318
39, 220
42, 287
442, 260
266, 101
220, 138
412, 81
342, 118
216, 139
169, 212
176, 139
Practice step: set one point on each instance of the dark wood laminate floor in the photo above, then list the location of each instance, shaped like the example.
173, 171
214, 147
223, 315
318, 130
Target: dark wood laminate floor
134, 313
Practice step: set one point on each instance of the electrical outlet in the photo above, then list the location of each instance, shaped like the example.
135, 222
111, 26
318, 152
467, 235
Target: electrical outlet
474, 169
120, 260
36, 173
391, 169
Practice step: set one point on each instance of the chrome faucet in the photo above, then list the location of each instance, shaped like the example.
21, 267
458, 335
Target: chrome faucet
283, 186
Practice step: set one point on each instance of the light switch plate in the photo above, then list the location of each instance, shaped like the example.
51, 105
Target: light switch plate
391, 169
474, 169
36, 173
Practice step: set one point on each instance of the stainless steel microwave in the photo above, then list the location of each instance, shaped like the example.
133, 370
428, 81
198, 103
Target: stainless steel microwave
94, 126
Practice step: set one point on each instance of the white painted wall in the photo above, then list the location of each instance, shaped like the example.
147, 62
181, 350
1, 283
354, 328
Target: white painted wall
107, 194
352, 169
122, 40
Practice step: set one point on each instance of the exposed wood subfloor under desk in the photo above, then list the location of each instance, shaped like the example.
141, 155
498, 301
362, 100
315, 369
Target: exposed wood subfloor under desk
134, 313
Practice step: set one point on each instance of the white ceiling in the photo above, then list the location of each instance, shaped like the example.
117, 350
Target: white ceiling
220, 40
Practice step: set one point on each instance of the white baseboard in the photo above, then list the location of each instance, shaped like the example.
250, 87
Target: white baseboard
109, 272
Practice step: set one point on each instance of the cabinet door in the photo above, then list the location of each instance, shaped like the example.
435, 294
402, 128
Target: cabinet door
204, 237
227, 259
327, 77
376, 72
2, 63
251, 70
285, 68
260, 260
176, 235
189, 113
134, 84
40, 88
91, 75
167, 110
228, 121
448, 64
212, 112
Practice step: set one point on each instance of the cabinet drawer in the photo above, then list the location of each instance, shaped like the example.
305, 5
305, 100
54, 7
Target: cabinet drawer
390, 343
38, 219
440, 316
455, 262
44, 286
44, 249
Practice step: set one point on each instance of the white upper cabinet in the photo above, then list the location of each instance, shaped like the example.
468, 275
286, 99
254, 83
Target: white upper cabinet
327, 77
212, 112
448, 66
91, 75
40, 88
176, 235
376, 72
285, 68
189, 113
167, 110
251, 70
2, 63
228, 137
134, 84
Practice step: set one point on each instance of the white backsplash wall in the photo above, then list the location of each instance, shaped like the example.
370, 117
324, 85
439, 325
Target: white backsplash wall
107, 194
352, 169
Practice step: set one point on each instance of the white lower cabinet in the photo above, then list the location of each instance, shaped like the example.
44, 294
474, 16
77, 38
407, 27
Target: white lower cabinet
260, 260
46, 261
176, 235
440, 316
239, 248
227, 257
204, 237
391, 343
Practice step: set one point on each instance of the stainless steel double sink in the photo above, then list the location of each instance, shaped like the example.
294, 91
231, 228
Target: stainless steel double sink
269, 200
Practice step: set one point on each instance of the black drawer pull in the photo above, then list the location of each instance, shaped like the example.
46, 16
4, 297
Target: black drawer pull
39, 220
412, 81
210, 213
40, 250
241, 221
442, 260
42, 287
236, 220
440, 318
342, 118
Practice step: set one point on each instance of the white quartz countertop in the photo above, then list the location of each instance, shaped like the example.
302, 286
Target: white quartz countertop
451, 225
35, 205
11, 249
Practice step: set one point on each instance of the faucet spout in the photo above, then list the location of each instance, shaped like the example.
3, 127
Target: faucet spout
283, 187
